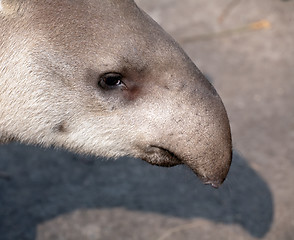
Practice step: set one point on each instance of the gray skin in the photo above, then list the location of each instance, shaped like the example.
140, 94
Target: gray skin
101, 77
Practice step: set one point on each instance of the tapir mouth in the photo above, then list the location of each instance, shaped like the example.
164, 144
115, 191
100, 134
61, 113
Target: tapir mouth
160, 156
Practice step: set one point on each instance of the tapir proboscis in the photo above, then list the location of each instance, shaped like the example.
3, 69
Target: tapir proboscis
101, 77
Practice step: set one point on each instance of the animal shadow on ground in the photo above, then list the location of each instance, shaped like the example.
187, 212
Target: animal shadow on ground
47, 183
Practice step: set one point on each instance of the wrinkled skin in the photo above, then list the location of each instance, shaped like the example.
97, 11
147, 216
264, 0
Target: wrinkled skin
155, 105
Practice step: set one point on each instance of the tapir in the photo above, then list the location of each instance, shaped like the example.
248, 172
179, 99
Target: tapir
101, 77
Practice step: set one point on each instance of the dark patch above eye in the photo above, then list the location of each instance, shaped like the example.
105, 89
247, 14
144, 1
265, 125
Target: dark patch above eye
110, 81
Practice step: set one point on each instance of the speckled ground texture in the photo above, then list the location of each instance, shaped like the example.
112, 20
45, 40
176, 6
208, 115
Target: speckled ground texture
56, 195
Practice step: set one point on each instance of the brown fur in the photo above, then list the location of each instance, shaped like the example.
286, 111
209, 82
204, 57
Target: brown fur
52, 55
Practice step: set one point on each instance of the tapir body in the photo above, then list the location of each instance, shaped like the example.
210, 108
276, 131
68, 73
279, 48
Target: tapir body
101, 77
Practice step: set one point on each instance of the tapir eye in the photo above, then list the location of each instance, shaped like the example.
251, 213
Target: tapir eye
110, 81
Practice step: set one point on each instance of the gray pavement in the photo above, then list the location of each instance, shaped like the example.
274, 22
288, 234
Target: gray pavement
56, 195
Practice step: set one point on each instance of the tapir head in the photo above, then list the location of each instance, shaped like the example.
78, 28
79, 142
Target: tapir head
101, 77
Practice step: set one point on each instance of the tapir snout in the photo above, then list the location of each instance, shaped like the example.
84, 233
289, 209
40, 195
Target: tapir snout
101, 77
189, 125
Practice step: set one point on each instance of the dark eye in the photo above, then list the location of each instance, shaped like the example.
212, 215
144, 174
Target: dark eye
110, 81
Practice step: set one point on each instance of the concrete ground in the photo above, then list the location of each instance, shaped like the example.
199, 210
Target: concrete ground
56, 195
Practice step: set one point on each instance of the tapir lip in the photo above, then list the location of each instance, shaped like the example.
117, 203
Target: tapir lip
160, 156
